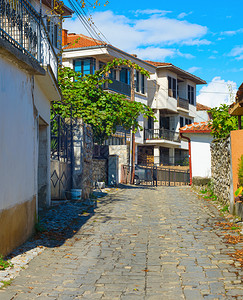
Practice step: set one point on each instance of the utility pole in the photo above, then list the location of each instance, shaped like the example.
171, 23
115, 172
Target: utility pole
132, 133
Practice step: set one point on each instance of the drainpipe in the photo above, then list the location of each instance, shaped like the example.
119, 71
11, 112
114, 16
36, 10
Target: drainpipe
190, 157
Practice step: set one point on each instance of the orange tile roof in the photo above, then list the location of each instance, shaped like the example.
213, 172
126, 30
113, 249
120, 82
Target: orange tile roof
177, 70
202, 127
158, 64
202, 107
74, 41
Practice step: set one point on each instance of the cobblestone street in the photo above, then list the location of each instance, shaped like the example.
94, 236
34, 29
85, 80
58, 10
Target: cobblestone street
141, 243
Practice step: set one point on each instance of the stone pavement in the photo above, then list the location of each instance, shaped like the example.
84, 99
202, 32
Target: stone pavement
141, 243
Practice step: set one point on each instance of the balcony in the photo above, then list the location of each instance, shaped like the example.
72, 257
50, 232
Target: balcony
161, 134
23, 28
118, 87
182, 103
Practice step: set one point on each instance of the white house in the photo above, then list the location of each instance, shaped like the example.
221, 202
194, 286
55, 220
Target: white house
172, 96
202, 113
85, 55
198, 136
28, 83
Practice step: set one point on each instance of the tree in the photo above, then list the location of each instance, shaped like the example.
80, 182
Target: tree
222, 122
104, 111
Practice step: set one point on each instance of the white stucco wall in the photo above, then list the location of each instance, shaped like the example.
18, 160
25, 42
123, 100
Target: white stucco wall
201, 154
22, 103
18, 136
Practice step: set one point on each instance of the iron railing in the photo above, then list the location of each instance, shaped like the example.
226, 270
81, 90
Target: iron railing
183, 103
23, 28
161, 134
119, 87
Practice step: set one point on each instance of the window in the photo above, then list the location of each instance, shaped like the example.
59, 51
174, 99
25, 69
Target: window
112, 74
52, 30
181, 121
143, 84
164, 122
84, 66
137, 81
172, 85
191, 94
150, 123
125, 75
188, 121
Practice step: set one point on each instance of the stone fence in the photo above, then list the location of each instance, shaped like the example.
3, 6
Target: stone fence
221, 168
100, 170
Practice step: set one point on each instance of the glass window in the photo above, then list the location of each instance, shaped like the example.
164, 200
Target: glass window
125, 75
174, 88
169, 83
84, 66
172, 85
137, 82
191, 94
150, 123
188, 121
143, 84
112, 74
181, 121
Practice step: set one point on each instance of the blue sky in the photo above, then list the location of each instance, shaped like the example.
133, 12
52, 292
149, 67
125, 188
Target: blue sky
204, 38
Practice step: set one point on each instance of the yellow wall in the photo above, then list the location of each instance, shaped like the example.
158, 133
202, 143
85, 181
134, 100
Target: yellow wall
17, 225
236, 152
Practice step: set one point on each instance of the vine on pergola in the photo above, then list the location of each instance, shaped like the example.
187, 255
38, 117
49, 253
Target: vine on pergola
103, 110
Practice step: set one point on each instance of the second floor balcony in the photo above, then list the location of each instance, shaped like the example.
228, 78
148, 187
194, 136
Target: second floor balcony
118, 87
182, 103
22, 26
161, 134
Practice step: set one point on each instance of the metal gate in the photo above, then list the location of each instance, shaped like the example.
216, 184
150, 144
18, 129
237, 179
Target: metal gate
61, 156
156, 176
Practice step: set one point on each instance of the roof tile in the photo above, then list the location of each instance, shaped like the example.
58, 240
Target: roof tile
202, 127
75, 41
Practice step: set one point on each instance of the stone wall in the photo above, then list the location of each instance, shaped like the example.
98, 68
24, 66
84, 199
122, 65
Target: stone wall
221, 169
100, 170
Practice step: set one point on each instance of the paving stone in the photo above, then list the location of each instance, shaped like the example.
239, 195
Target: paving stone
139, 243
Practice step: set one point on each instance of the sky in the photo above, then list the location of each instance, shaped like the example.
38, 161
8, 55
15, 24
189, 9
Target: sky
204, 38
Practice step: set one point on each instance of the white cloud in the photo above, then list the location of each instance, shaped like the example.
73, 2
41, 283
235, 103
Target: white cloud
152, 11
156, 53
237, 52
232, 32
168, 31
155, 31
183, 15
217, 92
193, 69
196, 42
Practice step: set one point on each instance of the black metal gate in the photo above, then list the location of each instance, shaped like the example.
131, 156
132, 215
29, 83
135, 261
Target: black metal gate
156, 176
61, 156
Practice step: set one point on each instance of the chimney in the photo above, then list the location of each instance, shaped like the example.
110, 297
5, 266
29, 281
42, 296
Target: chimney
64, 37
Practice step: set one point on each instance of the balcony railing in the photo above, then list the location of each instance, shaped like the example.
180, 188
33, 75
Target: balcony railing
119, 87
183, 103
161, 134
22, 26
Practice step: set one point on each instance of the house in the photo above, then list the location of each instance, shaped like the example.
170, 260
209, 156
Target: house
199, 138
172, 96
202, 113
28, 84
86, 55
